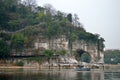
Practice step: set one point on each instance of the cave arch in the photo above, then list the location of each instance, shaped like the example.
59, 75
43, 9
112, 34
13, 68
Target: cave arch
80, 53
95, 55
85, 58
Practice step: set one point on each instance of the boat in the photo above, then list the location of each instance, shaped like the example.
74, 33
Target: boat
82, 68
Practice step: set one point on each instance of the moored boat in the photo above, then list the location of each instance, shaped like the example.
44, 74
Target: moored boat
83, 68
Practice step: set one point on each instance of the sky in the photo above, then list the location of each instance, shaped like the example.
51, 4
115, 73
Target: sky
97, 16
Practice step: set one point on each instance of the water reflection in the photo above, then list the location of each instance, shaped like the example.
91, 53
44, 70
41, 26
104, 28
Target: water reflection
33, 74
112, 75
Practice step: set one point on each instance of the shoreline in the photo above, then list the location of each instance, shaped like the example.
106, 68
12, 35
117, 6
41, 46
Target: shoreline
106, 66
17, 67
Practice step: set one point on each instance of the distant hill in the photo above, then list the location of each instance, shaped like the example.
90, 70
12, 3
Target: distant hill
112, 56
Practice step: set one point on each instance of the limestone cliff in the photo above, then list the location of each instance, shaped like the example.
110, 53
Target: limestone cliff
62, 43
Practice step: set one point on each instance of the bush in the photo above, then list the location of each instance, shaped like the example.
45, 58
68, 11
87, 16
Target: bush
20, 63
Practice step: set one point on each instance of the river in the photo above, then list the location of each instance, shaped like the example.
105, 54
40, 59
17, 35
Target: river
64, 74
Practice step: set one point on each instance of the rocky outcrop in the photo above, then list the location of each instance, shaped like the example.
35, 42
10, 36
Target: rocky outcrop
62, 43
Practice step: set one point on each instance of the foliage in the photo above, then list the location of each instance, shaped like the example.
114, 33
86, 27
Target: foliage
35, 58
20, 63
5, 37
85, 58
15, 15
48, 53
4, 49
17, 41
21, 22
69, 16
62, 52
112, 56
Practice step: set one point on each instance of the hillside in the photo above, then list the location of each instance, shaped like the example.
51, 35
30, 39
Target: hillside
22, 22
112, 56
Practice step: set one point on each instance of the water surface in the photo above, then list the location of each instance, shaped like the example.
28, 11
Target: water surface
64, 74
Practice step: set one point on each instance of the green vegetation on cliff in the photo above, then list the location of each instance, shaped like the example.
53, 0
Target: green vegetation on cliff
22, 21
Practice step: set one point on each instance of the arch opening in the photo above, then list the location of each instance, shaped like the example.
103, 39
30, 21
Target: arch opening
83, 56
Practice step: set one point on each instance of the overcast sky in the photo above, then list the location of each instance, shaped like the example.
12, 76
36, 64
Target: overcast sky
97, 16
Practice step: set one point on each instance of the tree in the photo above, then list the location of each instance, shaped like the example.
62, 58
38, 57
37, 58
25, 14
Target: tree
41, 16
76, 20
4, 49
31, 4
112, 56
59, 15
17, 41
85, 57
50, 9
101, 42
73, 37
48, 54
69, 17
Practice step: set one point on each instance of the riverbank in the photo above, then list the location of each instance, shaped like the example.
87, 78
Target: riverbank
15, 67
40, 67
106, 66
111, 66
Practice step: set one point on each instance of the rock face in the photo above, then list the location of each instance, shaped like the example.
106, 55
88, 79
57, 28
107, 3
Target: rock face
91, 49
62, 43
